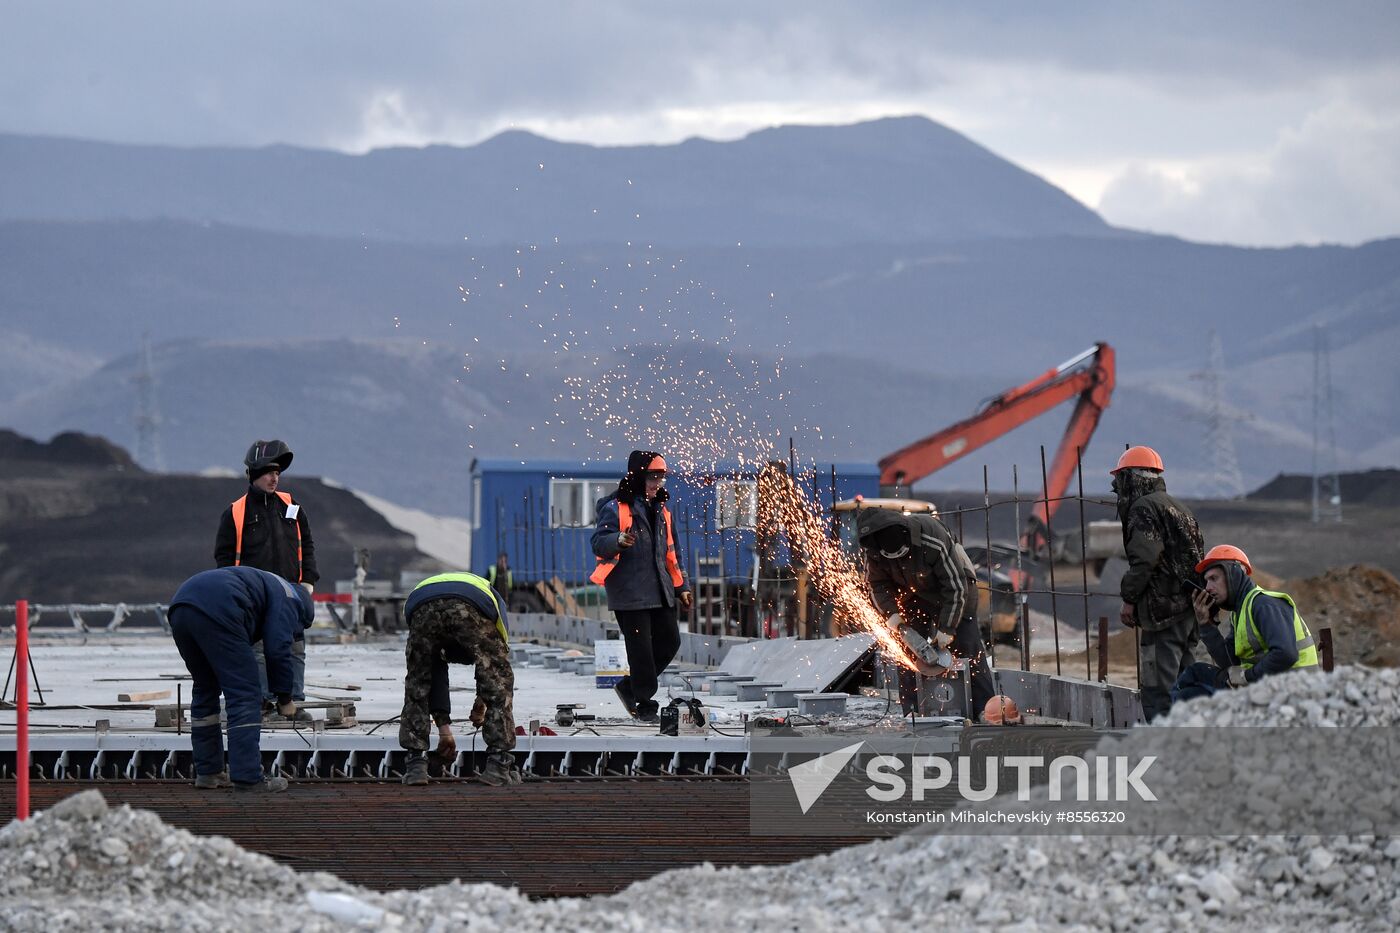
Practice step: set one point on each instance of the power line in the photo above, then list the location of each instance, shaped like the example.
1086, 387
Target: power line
147, 417
1326, 485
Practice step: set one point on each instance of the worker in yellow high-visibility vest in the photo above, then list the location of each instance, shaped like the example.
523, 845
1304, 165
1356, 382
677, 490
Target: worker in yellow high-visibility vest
1267, 634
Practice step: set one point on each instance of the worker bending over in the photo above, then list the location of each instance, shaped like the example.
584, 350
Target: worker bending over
1267, 635
215, 617
918, 570
457, 618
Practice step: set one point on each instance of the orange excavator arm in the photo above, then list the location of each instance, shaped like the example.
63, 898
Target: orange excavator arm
1090, 376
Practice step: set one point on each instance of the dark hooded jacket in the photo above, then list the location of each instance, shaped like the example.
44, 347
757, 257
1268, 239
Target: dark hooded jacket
931, 583
1272, 616
640, 579
1163, 544
269, 538
260, 606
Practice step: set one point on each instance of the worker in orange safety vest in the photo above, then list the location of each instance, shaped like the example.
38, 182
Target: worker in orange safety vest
634, 542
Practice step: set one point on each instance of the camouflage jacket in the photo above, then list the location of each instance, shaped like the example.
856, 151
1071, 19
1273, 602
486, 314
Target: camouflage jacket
1164, 545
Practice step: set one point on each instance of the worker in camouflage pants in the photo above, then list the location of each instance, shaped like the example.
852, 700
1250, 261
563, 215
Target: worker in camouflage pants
1163, 543
457, 618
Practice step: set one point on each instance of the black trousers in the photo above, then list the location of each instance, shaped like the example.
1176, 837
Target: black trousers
653, 636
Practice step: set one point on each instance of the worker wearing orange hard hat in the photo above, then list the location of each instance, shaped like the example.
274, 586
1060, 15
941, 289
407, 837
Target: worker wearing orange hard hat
1265, 634
635, 544
1163, 544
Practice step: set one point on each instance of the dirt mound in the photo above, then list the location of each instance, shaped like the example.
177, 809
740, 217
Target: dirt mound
80, 522
1361, 604
1373, 487
69, 449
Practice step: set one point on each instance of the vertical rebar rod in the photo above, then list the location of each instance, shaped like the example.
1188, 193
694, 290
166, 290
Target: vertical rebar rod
1103, 648
1050, 558
1083, 553
1022, 597
987, 559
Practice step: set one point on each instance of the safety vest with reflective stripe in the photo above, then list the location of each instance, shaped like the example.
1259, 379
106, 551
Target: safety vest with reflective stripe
469, 579
1250, 647
624, 523
240, 508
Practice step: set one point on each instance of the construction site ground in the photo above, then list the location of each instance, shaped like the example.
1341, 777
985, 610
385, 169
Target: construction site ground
548, 838
82, 682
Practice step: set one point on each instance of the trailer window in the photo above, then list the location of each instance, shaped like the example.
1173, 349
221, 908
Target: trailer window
572, 501
736, 504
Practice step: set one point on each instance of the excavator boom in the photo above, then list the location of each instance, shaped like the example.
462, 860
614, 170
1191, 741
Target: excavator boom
1089, 376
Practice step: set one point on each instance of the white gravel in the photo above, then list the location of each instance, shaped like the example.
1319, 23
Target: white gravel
81, 865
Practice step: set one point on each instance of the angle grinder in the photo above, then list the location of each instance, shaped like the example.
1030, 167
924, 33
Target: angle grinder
930, 659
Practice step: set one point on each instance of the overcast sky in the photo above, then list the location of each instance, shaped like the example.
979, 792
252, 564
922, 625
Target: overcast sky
1253, 123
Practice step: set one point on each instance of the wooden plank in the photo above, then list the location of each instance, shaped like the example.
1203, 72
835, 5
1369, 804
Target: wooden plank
143, 697
338, 698
351, 688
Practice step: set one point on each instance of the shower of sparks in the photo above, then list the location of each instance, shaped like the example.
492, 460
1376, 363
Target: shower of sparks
785, 509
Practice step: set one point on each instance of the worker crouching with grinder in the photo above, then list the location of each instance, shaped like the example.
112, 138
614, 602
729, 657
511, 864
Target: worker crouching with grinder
918, 571
457, 618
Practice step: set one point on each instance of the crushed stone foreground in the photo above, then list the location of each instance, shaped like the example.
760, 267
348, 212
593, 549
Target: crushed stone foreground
83, 865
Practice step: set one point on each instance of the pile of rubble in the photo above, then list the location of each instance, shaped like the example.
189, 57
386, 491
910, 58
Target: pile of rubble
1361, 604
82, 865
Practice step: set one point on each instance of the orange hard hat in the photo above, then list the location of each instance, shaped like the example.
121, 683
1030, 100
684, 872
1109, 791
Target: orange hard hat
1001, 710
657, 465
1223, 552
1144, 458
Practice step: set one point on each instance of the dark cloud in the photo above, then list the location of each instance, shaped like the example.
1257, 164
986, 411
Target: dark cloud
305, 72
1081, 88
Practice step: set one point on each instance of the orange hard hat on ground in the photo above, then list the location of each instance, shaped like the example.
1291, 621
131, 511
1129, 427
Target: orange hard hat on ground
1143, 458
1223, 552
1001, 710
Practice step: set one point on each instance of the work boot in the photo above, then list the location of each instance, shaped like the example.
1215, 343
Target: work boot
623, 689
499, 771
273, 785
212, 781
415, 770
647, 713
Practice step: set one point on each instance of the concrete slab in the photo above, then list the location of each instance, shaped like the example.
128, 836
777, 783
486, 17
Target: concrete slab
753, 690
727, 685
821, 704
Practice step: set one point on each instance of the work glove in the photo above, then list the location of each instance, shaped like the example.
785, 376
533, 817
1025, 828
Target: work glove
309, 587
447, 744
286, 706
1237, 678
478, 714
895, 621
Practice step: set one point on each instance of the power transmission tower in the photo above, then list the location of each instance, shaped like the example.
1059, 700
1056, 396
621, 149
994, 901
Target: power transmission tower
147, 418
1326, 484
1225, 480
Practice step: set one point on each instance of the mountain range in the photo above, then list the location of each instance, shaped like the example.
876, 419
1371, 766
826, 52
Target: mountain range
381, 312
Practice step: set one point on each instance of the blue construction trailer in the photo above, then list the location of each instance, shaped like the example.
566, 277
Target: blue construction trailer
541, 514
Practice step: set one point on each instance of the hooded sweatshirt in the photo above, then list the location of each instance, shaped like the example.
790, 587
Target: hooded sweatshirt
1164, 545
1272, 617
926, 579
